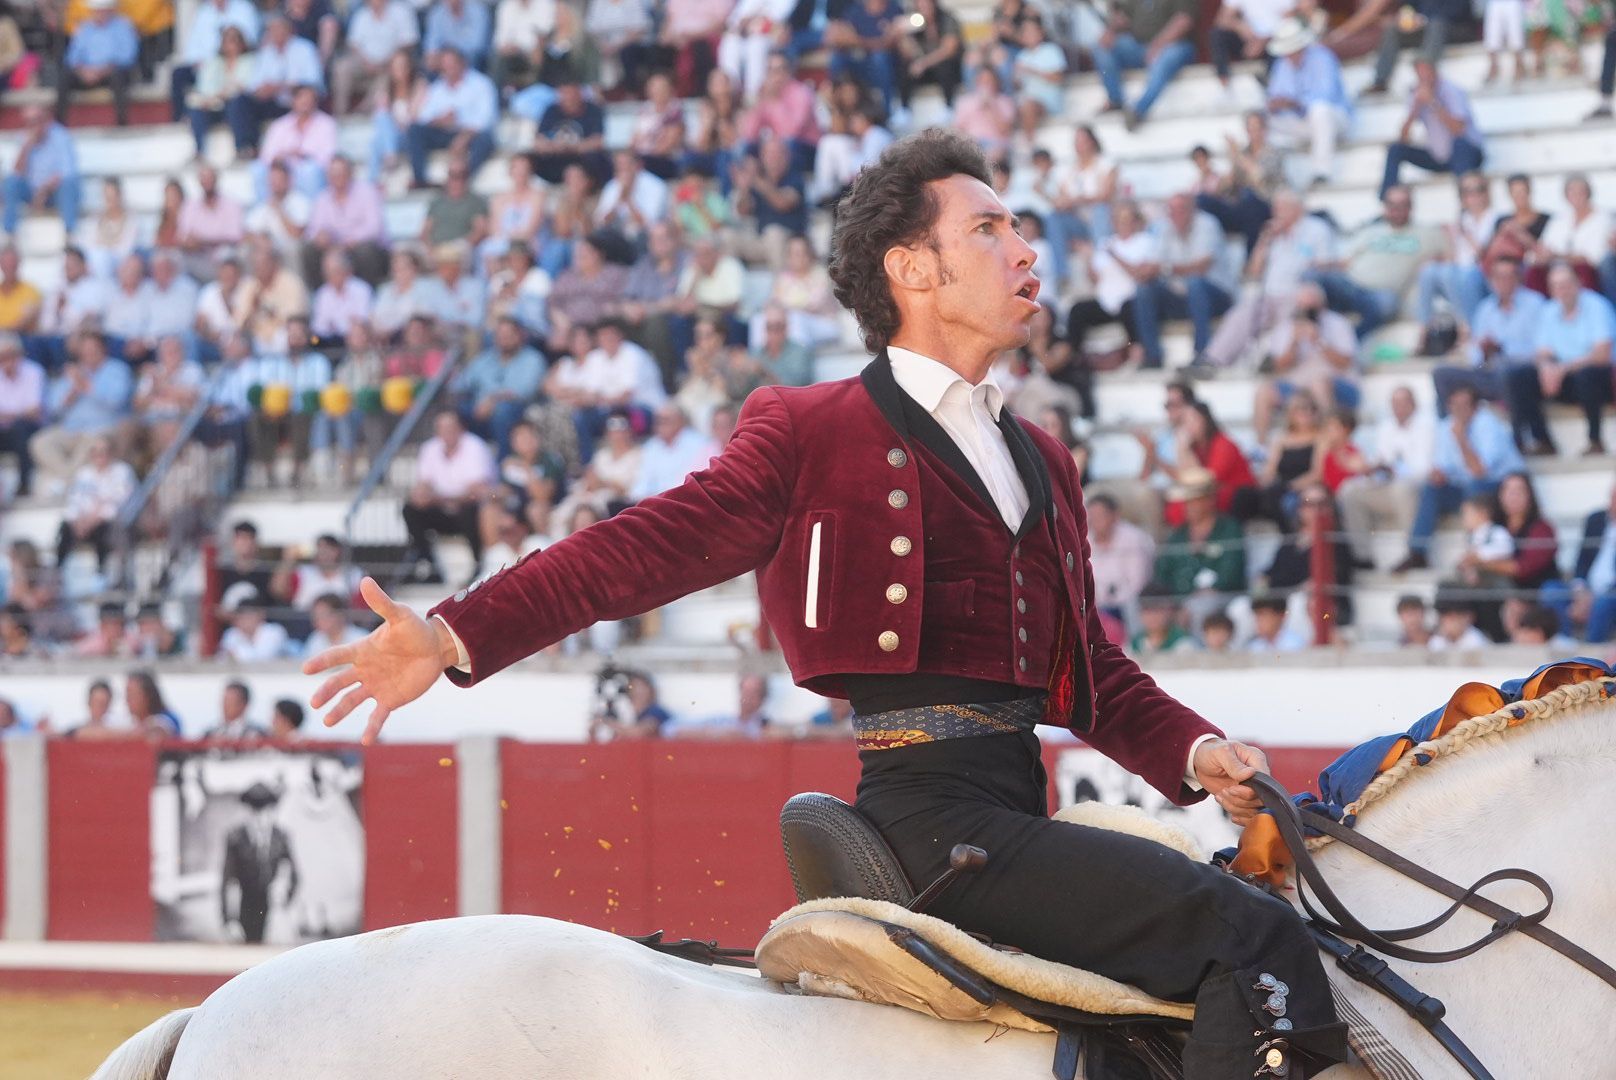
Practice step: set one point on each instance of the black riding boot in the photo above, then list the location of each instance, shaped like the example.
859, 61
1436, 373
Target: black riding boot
1254, 1023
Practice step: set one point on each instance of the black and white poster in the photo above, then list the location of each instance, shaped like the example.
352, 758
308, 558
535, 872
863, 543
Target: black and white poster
257, 846
1084, 775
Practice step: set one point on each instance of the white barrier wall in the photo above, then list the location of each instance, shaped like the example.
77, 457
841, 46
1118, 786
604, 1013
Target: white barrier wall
1299, 700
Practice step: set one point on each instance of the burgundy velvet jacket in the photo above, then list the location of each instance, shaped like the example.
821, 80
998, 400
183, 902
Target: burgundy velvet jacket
878, 551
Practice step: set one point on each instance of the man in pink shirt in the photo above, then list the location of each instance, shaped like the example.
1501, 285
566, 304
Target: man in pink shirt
305, 139
785, 107
454, 471
347, 217
209, 225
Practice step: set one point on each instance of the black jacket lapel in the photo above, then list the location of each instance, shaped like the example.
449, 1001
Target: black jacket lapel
911, 421
1031, 467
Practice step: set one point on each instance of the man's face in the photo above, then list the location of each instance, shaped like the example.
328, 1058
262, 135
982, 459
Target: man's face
235, 703
9, 263
297, 335
1564, 286
208, 180
625, 167
1287, 210
1412, 619
244, 546
1102, 520
774, 332
279, 33
10, 361
1268, 621
706, 253
339, 174
1461, 406
571, 97
329, 621
1504, 278
164, 270
453, 66
327, 556
1155, 617
1181, 212
776, 158
777, 74
1402, 404
1200, 508
978, 267
668, 423
753, 691
100, 454
659, 239
508, 336
609, 338
447, 428
1175, 407
1399, 206
280, 182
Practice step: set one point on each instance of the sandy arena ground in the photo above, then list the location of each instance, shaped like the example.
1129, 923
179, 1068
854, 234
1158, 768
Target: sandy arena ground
67, 1036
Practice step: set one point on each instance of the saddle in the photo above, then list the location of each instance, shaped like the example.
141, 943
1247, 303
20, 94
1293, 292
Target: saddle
859, 931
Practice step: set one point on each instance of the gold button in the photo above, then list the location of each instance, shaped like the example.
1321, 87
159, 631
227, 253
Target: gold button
1069, 560
901, 546
1022, 663
1021, 604
897, 458
1276, 1058
1022, 634
1018, 577
888, 641
897, 498
896, 593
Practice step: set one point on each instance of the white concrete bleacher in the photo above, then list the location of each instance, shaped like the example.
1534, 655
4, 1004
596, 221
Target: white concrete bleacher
1533, 128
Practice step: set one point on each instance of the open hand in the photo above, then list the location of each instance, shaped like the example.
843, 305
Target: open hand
394, 664
1222, 766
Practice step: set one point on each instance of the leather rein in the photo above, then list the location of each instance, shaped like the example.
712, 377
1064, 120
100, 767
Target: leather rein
1293, 822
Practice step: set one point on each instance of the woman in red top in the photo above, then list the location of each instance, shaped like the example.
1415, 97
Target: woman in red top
1341, 459
1201, 442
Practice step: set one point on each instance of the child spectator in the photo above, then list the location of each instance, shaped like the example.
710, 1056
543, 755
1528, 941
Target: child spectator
1486, 542
1217, 633
1159, 631
1414, 619
1456, 626
1269, 634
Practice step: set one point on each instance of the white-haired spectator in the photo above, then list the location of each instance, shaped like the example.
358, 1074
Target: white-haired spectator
124, 314
400, 297
99, 490
169, 298
788, 361
89, 398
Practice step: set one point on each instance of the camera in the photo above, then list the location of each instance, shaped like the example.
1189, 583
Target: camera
611, 694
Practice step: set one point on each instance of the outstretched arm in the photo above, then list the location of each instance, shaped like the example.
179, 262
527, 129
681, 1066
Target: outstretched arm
722, 521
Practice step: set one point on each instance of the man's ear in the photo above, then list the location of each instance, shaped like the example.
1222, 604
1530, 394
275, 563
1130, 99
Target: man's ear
909, 268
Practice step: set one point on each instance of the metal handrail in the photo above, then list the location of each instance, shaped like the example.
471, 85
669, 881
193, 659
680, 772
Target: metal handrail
400, 434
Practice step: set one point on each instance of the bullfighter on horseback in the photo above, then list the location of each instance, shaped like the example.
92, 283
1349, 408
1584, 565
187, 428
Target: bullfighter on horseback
923, 552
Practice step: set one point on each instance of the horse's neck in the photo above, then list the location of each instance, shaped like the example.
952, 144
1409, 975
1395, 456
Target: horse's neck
1530, 798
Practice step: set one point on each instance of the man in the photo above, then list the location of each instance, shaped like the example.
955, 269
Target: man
634, 714
340, 303
22, 407
1190, 279
770, 196
76, 304
1474, 452
1293, 243
210, 224
1307, 102
331, 626
251, 637
268, 298
1241, 30
459, 114
100, 488
710, 287
45, 172
521, 30
651, 292
454, 470
102, 52
452, 296
282, 63
1453, 142
621, 377
674, 451
286, 721
304, 140
1314, 350
89, 399
784, 109
281, 216
1122, 554
330, 573
497, 387
749, 721
233, 725
875, 484
1588, 600
460, 27
1430, 21
299, 373
572, 131
201, 43
1572, 351
376, 30
1203, 561
788, 362
633, 199
1380, 264
348, 217
1156, 36
457, 214
1503, 336
253, 881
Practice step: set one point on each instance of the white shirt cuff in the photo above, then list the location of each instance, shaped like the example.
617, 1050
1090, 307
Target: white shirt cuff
463, 660
1189, 763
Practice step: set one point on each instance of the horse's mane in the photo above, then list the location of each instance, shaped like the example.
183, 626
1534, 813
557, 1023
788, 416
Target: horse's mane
1555, 703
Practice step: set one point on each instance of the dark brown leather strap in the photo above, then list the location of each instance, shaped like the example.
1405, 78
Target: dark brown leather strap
1506, 920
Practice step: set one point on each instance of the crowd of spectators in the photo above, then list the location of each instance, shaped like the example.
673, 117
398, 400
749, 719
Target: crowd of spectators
596, 323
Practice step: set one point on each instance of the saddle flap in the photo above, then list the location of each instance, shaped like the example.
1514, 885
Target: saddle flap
833, 851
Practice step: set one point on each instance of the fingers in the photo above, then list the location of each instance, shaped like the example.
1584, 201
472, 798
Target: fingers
335, 656
378, 717
1233, 763
1252, 756
377, 598
333, 686
350, 701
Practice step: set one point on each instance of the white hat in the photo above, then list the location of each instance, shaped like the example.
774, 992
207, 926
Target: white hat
103, 5
1291, 36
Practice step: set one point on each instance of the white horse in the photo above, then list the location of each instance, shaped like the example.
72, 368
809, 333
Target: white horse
509, 996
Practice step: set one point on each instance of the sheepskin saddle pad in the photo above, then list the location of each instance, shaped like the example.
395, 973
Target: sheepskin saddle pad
854, 948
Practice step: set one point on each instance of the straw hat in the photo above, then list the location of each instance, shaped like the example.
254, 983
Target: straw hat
1291, 36
1193, 483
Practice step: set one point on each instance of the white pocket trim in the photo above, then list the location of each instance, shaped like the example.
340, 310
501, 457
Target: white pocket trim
810, 607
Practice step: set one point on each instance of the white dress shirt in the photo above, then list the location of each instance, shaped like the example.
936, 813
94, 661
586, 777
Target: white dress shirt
970, 415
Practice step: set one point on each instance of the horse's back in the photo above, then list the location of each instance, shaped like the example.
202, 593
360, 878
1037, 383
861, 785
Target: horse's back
518, 996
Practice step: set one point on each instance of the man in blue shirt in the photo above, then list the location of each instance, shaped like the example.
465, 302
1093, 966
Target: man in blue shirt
282, 63
1503, 337
498, 386
1573, 362
1474, 452
461, 25
769, 193
1157, 35
459, 114
102, 52
571, 132
864, 44
1306, 99
90, 398
46, 172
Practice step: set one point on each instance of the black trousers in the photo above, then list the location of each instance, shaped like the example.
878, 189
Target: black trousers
117, 80
99, 538
1589, 387
14, 438
1226, 47
1119, 905
424, 522
1088, 315
1607, 66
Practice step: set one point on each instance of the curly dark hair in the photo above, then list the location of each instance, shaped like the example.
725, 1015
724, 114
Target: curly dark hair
890, 205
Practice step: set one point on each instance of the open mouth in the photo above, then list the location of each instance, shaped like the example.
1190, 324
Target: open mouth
1029, 291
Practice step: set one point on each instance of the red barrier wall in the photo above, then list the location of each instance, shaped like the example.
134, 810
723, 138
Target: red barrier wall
412, 847
98, 867
640, 836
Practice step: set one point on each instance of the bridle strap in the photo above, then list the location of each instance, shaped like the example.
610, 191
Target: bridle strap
1506, 920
